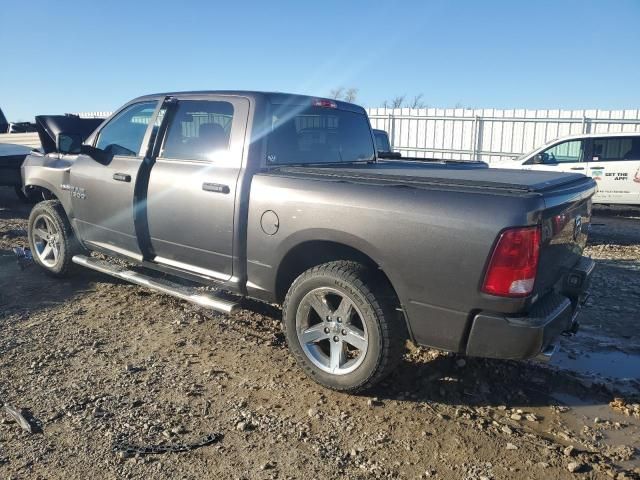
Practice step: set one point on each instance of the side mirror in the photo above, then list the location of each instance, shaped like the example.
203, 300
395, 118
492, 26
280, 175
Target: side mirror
97, 154
68, 143
538, 159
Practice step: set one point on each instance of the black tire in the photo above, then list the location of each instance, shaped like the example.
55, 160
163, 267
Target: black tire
66, 242
376, 303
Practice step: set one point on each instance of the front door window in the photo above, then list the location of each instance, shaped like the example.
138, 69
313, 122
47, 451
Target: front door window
124, 133
565, 152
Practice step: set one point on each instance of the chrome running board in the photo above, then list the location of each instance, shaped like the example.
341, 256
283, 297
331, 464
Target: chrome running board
190, 294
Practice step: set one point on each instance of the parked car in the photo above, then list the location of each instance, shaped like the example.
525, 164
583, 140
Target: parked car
21, 127
281, 198
611, 159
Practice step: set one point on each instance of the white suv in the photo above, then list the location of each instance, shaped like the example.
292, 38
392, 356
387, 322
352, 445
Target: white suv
612, 159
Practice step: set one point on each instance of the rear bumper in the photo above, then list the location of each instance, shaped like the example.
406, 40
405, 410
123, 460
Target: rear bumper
497, 335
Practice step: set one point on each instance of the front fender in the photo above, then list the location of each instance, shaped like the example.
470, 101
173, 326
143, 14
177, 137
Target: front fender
49, 172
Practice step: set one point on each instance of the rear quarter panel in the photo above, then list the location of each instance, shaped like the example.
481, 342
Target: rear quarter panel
433, 244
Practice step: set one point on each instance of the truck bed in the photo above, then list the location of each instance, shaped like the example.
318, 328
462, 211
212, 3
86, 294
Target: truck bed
441, 175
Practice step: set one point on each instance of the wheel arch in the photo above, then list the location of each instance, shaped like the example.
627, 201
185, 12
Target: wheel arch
310, 253
39, 192
49, 192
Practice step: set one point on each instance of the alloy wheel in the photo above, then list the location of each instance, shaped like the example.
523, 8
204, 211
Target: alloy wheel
331, 331
46, 239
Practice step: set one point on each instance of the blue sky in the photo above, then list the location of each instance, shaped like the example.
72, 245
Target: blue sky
73, 55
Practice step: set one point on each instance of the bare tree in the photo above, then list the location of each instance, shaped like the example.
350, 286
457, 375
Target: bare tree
417, 102
336, 93
351, 94
397, 102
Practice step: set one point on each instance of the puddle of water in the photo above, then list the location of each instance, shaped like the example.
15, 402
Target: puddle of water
612, 364
584, 414
584, 419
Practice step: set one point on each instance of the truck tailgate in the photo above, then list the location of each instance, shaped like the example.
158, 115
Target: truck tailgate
565, 225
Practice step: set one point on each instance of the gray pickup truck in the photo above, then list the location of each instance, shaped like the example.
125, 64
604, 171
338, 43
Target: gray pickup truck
217, 196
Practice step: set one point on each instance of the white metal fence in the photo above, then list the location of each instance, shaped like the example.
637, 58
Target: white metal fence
94, 114
27, 139
490, 134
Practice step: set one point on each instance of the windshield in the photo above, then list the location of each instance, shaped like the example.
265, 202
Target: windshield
313, 135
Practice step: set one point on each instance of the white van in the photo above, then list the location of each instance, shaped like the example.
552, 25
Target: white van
612, 159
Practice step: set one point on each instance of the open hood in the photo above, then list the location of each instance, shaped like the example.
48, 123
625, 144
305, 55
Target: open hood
50, 126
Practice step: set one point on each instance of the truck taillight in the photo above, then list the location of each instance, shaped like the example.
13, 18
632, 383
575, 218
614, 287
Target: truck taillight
514, 263
324, 103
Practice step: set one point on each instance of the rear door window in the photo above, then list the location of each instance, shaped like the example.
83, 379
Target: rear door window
616, 149
124, 133
199, 130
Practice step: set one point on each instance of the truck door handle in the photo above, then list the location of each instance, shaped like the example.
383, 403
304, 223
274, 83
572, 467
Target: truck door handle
596, 168
577, 168
215, 188
122, 177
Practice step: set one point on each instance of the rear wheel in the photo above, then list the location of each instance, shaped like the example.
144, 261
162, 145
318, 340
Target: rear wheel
342, 326
51, 238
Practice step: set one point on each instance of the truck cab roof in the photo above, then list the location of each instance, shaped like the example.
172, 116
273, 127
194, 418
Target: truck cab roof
277, 98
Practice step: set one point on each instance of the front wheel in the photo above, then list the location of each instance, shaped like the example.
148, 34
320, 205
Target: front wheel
342, 326
51, 238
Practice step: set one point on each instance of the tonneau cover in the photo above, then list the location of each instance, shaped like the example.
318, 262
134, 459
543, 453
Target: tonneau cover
411, 174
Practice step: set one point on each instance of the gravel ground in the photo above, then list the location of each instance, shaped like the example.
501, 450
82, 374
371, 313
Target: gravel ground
96, 362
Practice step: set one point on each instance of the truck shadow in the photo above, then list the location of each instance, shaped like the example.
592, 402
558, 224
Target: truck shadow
475, 382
